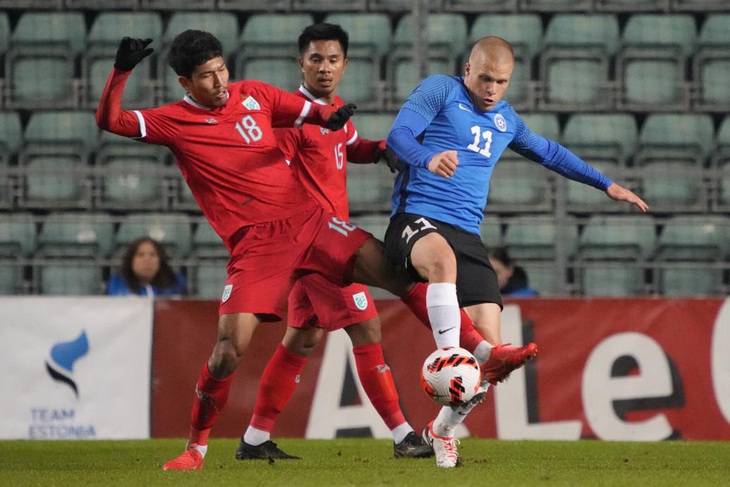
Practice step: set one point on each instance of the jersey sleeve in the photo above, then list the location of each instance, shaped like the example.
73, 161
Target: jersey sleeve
360, 150
289, 140
555, 157
289, 110
109, 114
417, 112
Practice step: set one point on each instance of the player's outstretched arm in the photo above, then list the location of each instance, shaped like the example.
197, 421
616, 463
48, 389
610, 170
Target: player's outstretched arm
339, 118
444, 164
109, 113
619, 193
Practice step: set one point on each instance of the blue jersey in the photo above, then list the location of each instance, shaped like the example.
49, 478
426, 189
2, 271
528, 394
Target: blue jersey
439, 116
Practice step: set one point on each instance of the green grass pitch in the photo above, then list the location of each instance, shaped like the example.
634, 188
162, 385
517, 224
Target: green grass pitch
368, 462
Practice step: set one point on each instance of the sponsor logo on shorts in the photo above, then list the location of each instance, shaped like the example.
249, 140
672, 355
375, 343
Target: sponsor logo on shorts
227, 292
361, 301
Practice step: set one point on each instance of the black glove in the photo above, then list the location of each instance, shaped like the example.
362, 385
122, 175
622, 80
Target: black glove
131, 52
391, 160
338, 119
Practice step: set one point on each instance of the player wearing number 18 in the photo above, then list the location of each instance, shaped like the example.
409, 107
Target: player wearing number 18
222, 137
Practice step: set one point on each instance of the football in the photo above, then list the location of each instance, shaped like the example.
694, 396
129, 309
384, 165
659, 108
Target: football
450, 376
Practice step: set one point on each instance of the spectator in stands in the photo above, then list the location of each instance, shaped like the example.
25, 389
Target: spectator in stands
145, 271
512, 279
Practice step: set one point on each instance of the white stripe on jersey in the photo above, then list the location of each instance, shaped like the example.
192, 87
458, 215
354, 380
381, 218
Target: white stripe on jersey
305, 111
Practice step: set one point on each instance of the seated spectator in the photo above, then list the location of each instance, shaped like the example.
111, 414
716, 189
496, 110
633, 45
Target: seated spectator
145, 271
512, 278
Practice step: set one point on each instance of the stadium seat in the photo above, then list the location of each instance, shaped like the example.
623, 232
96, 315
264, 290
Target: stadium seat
62, 128
611, 279
267, 48
447, 37
329, 5
369, 187
540, 237
400, 5
11, 277
625, 238
670, 159
650, 67
17, 235
480, 6
690, 279
574, 64
132, 183
698, 5
711, 64
172, 230
209, 277
32, 4
545, 124
694, 238
519, 185
254, 5
53, 180
44, 42
68, 277
206, 244
606, 142
4, 33
76, 235
555, 5
182, 197
370, 40
105, 5
103, 40
545, 277
524, 32
630, 6
202, 5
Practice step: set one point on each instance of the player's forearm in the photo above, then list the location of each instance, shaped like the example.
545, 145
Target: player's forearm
402, 141
364, 151
109, 113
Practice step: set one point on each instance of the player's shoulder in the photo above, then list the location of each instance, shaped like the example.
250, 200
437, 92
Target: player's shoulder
442, 80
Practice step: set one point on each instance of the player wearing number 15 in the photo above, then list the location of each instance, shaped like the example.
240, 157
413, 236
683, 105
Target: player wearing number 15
450, 133
222, 137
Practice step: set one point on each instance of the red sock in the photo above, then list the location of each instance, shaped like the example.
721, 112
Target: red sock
469, 337
211, 395
277, 386
378, 383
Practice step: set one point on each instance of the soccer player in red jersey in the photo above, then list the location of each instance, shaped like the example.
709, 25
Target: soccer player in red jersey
319, 158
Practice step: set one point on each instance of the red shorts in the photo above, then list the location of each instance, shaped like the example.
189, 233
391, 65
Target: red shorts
270, 256
317, 302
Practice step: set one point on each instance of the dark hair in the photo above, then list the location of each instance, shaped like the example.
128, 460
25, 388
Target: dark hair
165, 276
500, 254
192, 48
323, 32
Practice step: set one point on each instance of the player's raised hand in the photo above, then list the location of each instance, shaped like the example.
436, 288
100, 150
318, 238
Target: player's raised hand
131, 51
619, 193
338, 119
444, 164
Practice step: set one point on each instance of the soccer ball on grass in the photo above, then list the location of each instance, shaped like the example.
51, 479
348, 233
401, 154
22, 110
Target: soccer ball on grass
451, 376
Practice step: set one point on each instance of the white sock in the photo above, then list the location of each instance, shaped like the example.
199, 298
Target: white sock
254, 436
400, 432
203, 449
449, 418
443, 313
483, 351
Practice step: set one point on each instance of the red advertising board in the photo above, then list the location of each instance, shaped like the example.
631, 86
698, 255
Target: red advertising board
613, 369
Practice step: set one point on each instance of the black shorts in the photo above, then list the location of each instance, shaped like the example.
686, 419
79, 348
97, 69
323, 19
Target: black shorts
476, 281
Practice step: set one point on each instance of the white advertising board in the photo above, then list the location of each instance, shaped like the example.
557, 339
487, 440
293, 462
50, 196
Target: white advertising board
75, 368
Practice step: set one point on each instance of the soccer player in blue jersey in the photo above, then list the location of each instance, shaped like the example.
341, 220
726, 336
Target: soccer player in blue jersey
450, 133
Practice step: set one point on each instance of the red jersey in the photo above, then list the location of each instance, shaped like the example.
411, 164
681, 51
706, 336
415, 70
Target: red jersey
318, 157
228, 155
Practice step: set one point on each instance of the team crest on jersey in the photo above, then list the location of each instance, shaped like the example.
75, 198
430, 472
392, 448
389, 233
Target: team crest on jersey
251, 103
324, 131
227, 292
361, 301
500, 122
